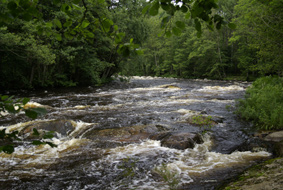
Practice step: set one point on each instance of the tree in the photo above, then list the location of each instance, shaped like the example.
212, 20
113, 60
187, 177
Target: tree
259, 35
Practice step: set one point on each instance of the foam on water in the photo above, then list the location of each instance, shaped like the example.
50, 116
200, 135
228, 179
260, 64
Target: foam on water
217, 89
184, 164
35, 159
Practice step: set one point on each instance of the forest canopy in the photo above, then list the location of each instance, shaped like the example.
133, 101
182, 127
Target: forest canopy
85, 42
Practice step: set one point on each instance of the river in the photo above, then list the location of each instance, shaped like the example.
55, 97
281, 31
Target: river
85, 160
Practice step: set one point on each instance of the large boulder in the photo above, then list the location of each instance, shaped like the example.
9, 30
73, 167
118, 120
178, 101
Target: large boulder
277, 139
181, 140
274, 137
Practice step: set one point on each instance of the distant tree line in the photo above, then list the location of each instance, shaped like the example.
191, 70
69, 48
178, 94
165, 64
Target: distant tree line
248, 46
85, 42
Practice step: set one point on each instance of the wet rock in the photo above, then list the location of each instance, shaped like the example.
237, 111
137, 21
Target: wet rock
226, 142
181, 140
126, 134
36, 105
170, 86
278, 149
122, 136
275, 136
64, 127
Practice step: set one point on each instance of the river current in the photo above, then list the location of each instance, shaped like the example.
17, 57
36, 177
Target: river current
81, 160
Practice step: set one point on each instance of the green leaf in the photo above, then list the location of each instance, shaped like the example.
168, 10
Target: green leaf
218, 25
24, 4
217, 18
164, 21
153, 11
68, 36
8, 149
56, 2
184, 9
26, 17
145, 9
176, 31
232, 26
188, 15
35, 132
35, 112
4, 97
65, 8
39, 30
31, 114
198, 34
168, 34
12, 5
10, 108
58, 36
76, 1
57, 23
124, 50
51, 144
90, 35
180, 25
139, 52
48, 135
2, 133
37, 142
116, 27
49, 24
107, 24
85, 23
165, 6
197, 25
68, 24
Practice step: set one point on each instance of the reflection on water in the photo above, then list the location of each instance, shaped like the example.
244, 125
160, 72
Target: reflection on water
82, 163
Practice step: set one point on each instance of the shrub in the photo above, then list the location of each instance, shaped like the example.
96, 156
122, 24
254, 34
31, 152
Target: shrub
263, 103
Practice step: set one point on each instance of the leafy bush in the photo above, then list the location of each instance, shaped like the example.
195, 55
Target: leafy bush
263, 103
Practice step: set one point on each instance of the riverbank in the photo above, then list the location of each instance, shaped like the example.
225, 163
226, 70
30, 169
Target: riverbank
265, 176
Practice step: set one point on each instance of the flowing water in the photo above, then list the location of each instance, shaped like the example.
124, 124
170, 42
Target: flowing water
82, 161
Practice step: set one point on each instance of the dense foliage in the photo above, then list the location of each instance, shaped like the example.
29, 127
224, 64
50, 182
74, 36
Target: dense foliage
58, 43
264, 103
82, 42
250, 50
